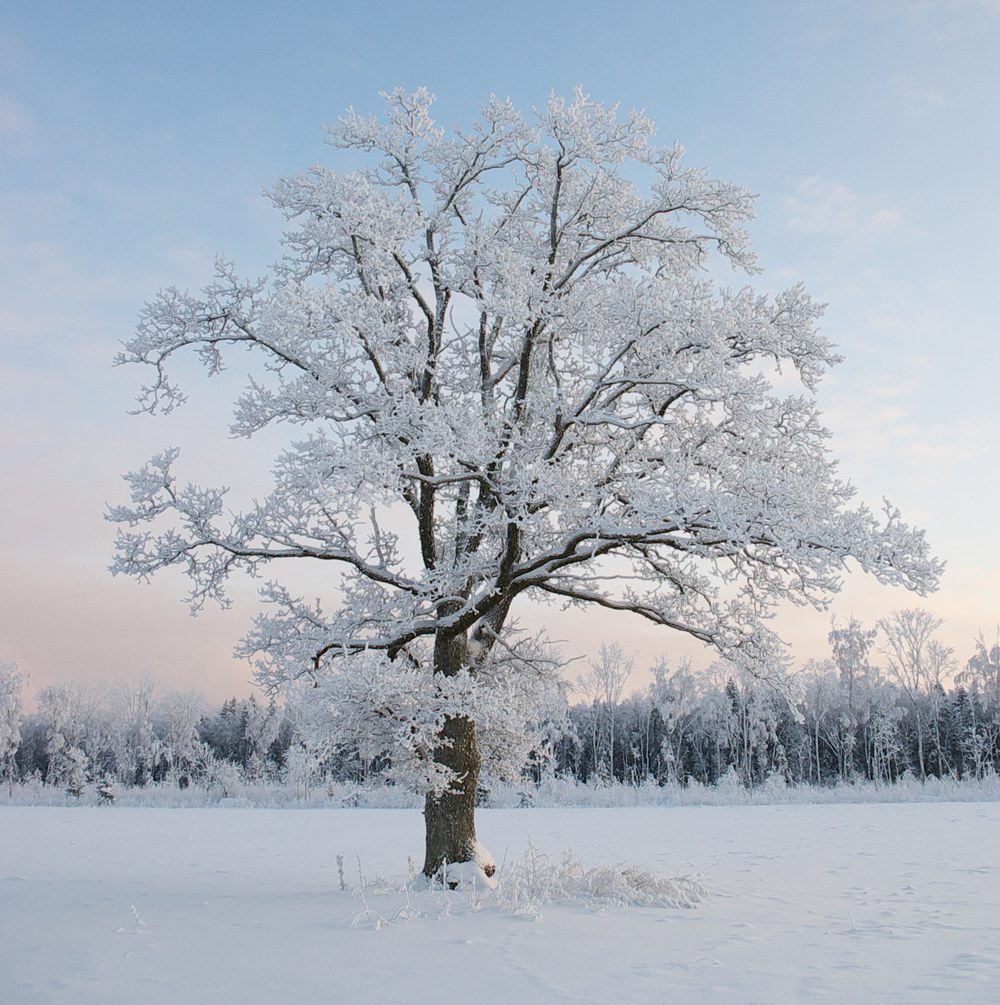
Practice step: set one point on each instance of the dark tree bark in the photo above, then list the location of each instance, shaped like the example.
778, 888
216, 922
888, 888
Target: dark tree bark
450, 818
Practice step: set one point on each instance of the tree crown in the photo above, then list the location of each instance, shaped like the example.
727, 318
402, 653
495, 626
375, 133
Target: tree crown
505, 347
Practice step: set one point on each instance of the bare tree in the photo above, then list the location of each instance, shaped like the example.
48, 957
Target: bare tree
675, 694
918, 662
850, 646
603, 686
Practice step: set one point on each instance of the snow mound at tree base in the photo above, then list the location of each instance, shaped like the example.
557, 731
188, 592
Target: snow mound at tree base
477, 874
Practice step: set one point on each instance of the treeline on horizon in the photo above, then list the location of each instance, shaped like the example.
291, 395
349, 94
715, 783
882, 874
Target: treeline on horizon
890, 702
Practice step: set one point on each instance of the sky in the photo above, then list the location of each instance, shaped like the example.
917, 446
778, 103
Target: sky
135, 141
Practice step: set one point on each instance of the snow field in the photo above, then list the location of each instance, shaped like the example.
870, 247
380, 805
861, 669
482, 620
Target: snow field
860, 903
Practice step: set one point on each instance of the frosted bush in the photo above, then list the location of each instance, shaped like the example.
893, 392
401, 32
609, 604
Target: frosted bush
521, 888
525, 886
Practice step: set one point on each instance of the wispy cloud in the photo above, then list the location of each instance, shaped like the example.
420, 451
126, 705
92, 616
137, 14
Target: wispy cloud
13, 51
918, 97
924, 7
885, 419
19, 131
820, 206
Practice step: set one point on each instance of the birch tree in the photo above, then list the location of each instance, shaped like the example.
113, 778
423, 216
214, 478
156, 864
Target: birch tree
918, 662
603, 686
508, 335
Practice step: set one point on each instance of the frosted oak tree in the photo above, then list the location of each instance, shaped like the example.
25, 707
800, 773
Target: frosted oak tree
508, 335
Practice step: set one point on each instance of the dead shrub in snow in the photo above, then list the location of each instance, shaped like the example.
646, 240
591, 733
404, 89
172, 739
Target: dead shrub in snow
523, 887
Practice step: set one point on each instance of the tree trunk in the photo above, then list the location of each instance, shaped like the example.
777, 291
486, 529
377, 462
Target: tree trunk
920, 742
449, 819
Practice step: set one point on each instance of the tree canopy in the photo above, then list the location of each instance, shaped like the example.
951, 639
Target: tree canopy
508, 337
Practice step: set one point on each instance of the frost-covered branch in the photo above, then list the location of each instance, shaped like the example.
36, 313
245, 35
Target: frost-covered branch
515, 380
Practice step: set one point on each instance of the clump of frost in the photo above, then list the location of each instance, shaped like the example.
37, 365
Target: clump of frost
535, 880
731, 786
774, 788
520, 888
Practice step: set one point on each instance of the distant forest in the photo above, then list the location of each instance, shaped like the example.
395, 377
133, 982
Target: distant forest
889, 702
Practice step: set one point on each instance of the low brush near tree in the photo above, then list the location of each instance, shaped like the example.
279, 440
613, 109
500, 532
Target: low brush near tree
507, 334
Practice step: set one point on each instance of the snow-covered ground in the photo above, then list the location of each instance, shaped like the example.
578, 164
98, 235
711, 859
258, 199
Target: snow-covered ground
837, 903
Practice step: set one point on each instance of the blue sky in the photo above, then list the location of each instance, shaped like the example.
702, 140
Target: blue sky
135, 139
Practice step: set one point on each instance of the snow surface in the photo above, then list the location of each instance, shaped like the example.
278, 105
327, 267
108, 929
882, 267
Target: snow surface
860, 903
